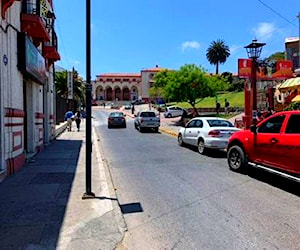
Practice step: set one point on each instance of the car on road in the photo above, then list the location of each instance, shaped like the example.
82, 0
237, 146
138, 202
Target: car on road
146, 120
273, 144
206, 133
174, 111
116, 119
127, 106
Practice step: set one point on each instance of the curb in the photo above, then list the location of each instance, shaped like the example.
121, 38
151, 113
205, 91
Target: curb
168, 131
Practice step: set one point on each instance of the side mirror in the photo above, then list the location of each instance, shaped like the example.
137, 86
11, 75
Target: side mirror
253, 129
134, 115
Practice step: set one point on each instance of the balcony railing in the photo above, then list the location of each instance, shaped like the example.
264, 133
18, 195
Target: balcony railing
31, 8
53, 39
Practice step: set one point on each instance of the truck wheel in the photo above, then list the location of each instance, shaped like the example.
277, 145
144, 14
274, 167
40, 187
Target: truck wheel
236, 158
201, 147
155, 130
180, 140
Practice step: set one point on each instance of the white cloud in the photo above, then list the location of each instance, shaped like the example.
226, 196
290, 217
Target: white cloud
264, 31
190, 45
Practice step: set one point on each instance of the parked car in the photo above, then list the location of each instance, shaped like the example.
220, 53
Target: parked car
273, 143
137, 102
146, 120
127, 106
174, 111
114, 105
206, 132
116, 119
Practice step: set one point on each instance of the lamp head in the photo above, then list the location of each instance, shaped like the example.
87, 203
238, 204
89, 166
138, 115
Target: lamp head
254, 49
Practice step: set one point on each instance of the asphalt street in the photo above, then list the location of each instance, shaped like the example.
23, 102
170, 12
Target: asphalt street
173, 197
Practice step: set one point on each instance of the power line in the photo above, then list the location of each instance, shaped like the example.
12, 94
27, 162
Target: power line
277, 13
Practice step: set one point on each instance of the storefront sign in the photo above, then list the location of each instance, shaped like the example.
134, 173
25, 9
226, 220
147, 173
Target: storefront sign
70, 85
30, 60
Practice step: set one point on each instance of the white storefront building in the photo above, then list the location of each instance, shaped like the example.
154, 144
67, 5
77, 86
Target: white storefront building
28, 50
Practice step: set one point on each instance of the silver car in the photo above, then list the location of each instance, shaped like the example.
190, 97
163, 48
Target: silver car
206, 132
174, 111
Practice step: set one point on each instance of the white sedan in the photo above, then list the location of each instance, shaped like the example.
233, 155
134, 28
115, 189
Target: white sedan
206, 132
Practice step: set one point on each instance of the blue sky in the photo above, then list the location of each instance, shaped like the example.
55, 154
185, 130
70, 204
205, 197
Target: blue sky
127, 36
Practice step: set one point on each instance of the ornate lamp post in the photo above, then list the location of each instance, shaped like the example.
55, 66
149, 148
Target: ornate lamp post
253, 51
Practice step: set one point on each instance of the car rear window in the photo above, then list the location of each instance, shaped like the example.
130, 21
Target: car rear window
116, 114
219, 123
148, 114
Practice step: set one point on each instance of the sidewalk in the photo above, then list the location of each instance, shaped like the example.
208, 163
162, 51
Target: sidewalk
42, 208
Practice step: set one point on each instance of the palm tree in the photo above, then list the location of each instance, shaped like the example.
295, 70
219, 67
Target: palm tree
217, 53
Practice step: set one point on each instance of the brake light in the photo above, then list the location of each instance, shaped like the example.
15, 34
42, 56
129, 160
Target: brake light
142, 120
214, 133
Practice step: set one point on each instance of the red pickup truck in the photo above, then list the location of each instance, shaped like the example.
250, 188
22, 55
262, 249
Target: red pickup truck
272, 144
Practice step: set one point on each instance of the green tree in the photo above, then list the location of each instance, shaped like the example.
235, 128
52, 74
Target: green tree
217, 53
276, 56
61, 86
188, 84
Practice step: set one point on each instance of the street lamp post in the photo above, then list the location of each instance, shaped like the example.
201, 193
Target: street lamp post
88, 193
253, 51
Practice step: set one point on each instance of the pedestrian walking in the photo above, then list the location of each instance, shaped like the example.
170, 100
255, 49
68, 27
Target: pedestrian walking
218, 106
69, 116
78, 119
270, 112
132, 109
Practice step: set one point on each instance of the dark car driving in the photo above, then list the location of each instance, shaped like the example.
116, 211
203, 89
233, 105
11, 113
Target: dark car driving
116, 119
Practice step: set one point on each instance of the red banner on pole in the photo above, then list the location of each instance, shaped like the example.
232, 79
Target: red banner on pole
266, 70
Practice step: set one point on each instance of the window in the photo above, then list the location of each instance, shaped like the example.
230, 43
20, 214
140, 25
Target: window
219, 123
191, 124
148, 114
293, 126
199, 124
272, 125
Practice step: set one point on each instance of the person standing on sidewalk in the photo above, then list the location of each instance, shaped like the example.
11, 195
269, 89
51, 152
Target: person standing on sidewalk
218, 106
69, 118
226, 106
78, 119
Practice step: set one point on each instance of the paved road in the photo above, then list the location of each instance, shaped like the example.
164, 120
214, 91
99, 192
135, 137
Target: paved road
172, 197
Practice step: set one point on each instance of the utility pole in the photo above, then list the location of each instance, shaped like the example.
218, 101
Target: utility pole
88, 131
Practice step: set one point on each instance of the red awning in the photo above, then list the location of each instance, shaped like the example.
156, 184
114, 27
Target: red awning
5, 5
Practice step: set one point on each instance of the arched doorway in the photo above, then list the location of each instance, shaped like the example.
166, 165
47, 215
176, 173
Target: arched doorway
134, 93
109, 94
99, 93
126, 94
118, 94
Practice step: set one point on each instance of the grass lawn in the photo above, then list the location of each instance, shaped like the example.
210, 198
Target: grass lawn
236, 99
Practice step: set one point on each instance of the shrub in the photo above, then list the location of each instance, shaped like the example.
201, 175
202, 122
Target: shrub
293, 106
